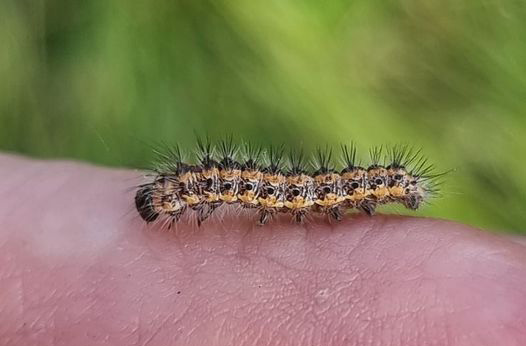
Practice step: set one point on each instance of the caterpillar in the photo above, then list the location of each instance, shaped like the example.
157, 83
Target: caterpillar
273, 182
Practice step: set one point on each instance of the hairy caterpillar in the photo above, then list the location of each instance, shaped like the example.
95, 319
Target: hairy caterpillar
270, 183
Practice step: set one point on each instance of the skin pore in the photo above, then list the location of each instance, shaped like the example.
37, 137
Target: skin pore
79, 267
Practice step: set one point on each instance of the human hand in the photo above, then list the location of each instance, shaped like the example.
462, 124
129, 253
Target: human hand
79, 267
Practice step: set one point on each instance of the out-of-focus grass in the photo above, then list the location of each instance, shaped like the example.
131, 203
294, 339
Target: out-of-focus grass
100, 79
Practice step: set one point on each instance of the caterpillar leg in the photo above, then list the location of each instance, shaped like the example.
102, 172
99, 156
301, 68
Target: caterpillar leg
412, 201
176, 215
299, 216
335, 213
368, 207
205, 210
264, 216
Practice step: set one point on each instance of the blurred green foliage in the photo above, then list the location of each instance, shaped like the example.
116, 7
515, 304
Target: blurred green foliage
100, 80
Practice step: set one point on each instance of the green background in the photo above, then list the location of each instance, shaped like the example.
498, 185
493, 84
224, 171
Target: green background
102, 80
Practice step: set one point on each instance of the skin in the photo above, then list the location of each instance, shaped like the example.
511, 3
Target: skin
79, 267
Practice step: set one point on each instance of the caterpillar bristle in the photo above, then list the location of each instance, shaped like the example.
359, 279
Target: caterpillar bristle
251, 155
251, 178
375, 153
205, 152
322, 162
399, 155
349, 156
169, 160
228, 150
274, 159
296, 162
